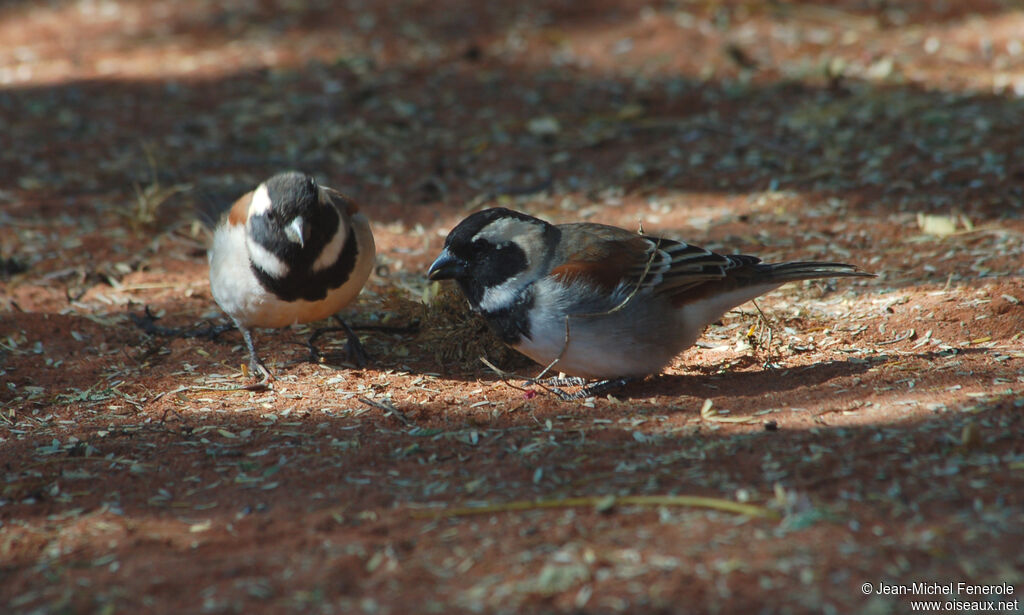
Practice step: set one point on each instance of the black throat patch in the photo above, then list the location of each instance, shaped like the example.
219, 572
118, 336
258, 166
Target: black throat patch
512, 323
302, 282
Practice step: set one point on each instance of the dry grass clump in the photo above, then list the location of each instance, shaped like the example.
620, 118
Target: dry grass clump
456, 337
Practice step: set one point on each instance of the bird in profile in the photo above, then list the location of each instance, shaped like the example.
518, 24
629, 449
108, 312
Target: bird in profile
597, 301
291, 251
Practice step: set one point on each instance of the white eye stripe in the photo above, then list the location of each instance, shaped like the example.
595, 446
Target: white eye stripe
504, 230
330, 253
528, 236
266, 260
261, 202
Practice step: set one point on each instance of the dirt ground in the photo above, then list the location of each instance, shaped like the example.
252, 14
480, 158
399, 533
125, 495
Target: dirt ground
867, 432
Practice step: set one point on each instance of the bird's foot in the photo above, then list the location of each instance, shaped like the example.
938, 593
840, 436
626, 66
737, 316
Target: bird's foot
256, 367
587, 388
355, 353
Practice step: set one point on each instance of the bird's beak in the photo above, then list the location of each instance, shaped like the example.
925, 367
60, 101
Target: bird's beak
295, 231
446, 267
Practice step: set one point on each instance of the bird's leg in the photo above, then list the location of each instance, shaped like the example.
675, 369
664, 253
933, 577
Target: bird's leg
314, 353
603, 386
563, 381
588, 389
553, 384
255, 364
354, 351
353, 347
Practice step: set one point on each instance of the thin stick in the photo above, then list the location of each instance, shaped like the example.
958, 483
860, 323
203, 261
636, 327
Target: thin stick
906, 335
148, 324
537, 379
506, 377
622, 304
565, 347
605, 502
771, 334
388, 410
639, 283
67, 459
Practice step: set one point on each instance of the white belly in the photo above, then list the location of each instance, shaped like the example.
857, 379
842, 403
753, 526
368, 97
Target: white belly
623, 343
637, 339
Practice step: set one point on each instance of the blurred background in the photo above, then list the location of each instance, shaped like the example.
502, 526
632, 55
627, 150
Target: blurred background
877, 132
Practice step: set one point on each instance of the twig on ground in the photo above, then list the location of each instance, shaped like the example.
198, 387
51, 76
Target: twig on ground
771, 337
507, 377
906, 335
388, 409
604, 503
148, 324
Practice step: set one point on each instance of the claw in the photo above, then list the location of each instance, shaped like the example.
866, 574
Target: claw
255, 363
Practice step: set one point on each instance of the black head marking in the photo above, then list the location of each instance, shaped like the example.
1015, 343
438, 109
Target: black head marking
486, 252
291, 195
302, 282
488, 259
466, 230
491, 248
295, 194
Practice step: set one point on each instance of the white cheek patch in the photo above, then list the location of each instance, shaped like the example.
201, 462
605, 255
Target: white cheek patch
525, 236
329, 255
260, 203
265, 260
500, 297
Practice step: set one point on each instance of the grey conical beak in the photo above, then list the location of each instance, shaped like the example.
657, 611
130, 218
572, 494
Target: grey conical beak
446, 267
296, 231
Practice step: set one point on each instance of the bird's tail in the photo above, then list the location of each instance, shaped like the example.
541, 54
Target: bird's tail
749, 279
781, 273
211, 203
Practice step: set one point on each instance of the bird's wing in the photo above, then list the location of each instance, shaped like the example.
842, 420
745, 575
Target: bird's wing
238, 214
342, 200
609, 257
